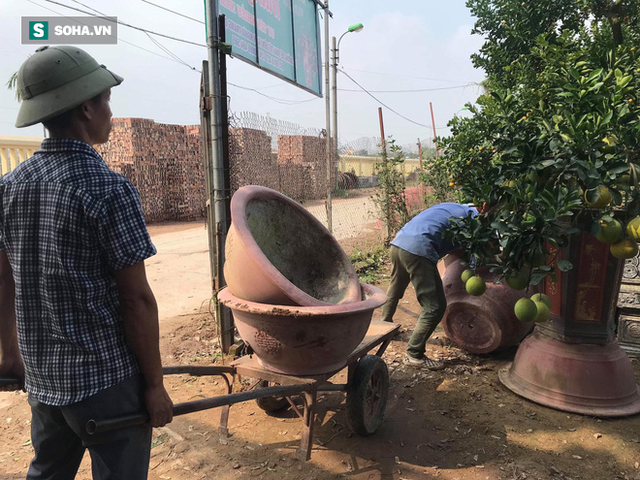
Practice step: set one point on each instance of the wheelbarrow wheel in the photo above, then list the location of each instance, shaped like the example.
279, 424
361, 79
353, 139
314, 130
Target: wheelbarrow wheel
271, 404
367, 395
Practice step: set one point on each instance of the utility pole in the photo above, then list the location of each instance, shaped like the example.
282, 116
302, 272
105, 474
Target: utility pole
433, 124
327, 99
334, 65
386, 190
217, 194
334, 97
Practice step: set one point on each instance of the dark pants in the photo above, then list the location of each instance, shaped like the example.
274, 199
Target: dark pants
423, 274
59, 437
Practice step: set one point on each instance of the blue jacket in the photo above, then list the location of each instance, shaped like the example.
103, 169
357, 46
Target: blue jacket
422, 235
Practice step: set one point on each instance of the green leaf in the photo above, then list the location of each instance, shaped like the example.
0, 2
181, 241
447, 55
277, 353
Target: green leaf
594, 75
624, 81
618, 169
564, 265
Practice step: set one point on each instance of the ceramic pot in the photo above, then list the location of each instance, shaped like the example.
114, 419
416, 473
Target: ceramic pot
278, 253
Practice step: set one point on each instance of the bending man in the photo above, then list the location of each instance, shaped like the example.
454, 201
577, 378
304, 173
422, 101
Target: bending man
414, 254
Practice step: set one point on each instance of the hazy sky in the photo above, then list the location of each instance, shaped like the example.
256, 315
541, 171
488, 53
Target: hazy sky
405, 45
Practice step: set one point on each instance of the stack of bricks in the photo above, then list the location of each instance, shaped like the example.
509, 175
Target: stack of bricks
251, 160
164, 162
303, 167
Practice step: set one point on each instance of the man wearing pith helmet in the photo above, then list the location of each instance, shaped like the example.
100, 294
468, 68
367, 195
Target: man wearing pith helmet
77, 316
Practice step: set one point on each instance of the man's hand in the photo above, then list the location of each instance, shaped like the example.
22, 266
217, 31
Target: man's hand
159, 406
12, 367
139, 313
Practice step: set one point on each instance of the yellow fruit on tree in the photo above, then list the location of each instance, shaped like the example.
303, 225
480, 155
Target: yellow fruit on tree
633, 229
519, 280
610, 232
475, 286
466, 275
541, 297
603, 200
623, 181
625, 248
525, 310
542, 312
533, 176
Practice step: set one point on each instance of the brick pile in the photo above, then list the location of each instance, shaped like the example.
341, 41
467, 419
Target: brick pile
251, 161
164, 162
303, 166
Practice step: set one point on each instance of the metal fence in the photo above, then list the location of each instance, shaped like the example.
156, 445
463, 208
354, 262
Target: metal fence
292, 159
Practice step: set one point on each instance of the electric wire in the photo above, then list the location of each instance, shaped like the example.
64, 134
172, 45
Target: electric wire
120, 39
90, 8
177, 59
158, 44
413, 91
283, 101
173, 55
129, 25
174, 12
385, 105
404, 76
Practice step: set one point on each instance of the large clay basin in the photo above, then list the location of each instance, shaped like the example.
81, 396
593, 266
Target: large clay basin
481, 324
303, 340
278, 253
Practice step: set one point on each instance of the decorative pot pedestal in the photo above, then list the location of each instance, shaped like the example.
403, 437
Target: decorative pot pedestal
573, 362
592, 380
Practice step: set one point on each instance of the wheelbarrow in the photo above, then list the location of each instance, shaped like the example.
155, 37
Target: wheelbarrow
366, 387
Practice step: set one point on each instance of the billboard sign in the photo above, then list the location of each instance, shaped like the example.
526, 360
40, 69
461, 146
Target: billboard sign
281, 37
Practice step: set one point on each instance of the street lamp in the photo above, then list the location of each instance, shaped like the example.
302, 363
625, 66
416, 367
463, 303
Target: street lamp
461, 110
353, 28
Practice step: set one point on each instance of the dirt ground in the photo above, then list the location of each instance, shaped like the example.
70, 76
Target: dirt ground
460, 423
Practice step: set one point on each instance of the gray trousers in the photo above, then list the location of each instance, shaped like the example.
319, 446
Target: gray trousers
423, 274
59, 437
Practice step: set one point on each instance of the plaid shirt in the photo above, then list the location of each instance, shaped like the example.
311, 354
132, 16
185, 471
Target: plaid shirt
67, 223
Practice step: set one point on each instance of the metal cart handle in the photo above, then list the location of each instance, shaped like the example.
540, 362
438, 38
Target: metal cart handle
10, 382
99, 426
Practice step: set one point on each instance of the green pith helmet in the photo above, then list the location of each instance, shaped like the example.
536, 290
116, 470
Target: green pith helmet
56, 79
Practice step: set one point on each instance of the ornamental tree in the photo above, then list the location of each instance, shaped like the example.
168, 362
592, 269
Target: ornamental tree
556, 132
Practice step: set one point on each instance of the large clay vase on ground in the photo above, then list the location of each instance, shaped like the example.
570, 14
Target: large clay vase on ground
481, 324
278, 253
573, 362
303, 340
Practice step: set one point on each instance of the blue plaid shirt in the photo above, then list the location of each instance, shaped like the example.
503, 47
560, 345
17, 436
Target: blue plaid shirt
67, 223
